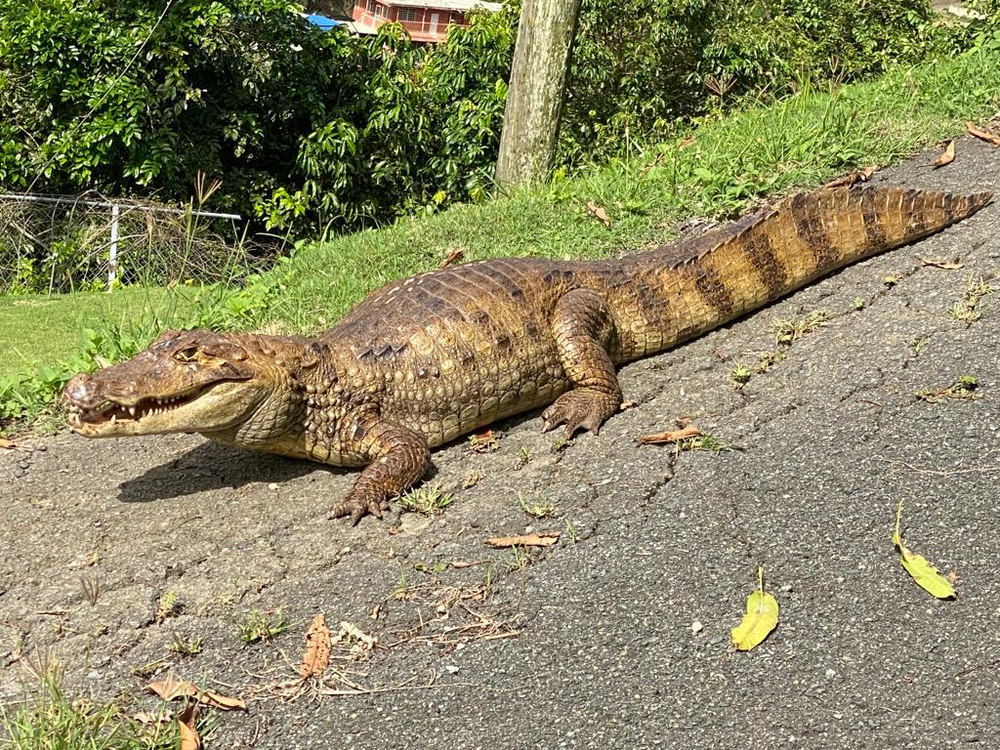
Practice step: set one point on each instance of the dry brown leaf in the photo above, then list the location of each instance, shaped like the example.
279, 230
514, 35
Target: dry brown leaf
454, 256
541, 539
858, 175
466, 563
689, 141
172, 688
983, 135
185, 723
5, 443
318, 645
947, 156
948, 265
486, 441
671, 436
599, 212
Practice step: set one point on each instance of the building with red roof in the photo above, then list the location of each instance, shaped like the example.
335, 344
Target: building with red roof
424, 20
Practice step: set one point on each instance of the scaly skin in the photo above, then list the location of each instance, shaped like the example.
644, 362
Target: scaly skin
426, 359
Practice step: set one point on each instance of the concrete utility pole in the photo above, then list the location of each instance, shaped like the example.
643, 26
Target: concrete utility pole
537, 88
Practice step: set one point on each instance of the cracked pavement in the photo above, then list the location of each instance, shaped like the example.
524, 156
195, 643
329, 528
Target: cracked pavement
825, 444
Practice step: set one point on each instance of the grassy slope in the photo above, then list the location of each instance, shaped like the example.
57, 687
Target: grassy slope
797, 143
40, 329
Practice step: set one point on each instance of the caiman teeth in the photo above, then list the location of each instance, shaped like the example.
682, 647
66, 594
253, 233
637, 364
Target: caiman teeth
112, 411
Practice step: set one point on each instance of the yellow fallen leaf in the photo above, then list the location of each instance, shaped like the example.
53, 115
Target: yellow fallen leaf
924, 574
947, 156
761, 618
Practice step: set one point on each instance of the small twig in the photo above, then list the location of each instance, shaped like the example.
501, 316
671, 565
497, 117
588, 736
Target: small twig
869, 401
945, 472
976, 668
454, 256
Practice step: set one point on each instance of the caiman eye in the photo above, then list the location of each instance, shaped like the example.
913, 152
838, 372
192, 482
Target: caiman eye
187, 354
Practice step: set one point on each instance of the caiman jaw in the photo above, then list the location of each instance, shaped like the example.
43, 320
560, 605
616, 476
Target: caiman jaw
111, 413
193, 381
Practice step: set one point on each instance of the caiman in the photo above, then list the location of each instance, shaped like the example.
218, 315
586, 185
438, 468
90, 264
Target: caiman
428, 358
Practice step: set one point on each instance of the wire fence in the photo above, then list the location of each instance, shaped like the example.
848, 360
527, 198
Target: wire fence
60, 244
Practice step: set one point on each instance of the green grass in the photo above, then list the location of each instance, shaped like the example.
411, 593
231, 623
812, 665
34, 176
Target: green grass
797, 143
53, 722
257, 626
427, 500
40, 329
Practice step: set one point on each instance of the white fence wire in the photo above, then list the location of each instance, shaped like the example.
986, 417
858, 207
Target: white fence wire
64, 243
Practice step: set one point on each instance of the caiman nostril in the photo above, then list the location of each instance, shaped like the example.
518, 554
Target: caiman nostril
80, 389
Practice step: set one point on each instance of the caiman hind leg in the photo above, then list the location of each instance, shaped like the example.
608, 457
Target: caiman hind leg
398, 457
582, 327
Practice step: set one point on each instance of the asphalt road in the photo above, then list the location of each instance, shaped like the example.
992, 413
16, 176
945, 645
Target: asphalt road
618, 635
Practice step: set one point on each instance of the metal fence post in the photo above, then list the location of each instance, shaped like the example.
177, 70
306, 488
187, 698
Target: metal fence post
113, 251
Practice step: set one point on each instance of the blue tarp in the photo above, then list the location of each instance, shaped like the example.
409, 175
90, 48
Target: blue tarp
322, 21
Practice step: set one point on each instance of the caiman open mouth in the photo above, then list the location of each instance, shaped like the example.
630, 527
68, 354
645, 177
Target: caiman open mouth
114, 411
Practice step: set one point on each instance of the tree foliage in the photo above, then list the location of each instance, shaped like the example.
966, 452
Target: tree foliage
305, 127
311, 130
640, 66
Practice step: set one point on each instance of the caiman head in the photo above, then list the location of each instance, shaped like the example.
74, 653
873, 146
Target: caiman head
236, 387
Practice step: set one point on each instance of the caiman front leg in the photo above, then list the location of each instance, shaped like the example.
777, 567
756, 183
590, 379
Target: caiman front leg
397, 458
582, 327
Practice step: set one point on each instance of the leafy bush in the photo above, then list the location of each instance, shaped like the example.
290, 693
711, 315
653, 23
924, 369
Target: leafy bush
640, 67
421, 130
313, 131
305, 127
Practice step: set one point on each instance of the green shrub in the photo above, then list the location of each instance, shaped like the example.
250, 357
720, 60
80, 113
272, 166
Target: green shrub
420, 132
306, 128
313, 131
641, 67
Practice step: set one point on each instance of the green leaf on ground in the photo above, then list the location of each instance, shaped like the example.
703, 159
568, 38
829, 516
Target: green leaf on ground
924, 574
761, 618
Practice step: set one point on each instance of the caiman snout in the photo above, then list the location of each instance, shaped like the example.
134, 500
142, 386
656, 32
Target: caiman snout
81, 391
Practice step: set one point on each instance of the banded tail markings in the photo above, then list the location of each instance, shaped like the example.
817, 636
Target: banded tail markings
807, 213
766, 263
873, 214
713, 288
710, 279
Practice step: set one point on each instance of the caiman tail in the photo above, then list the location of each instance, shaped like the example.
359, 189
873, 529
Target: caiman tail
681, 291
